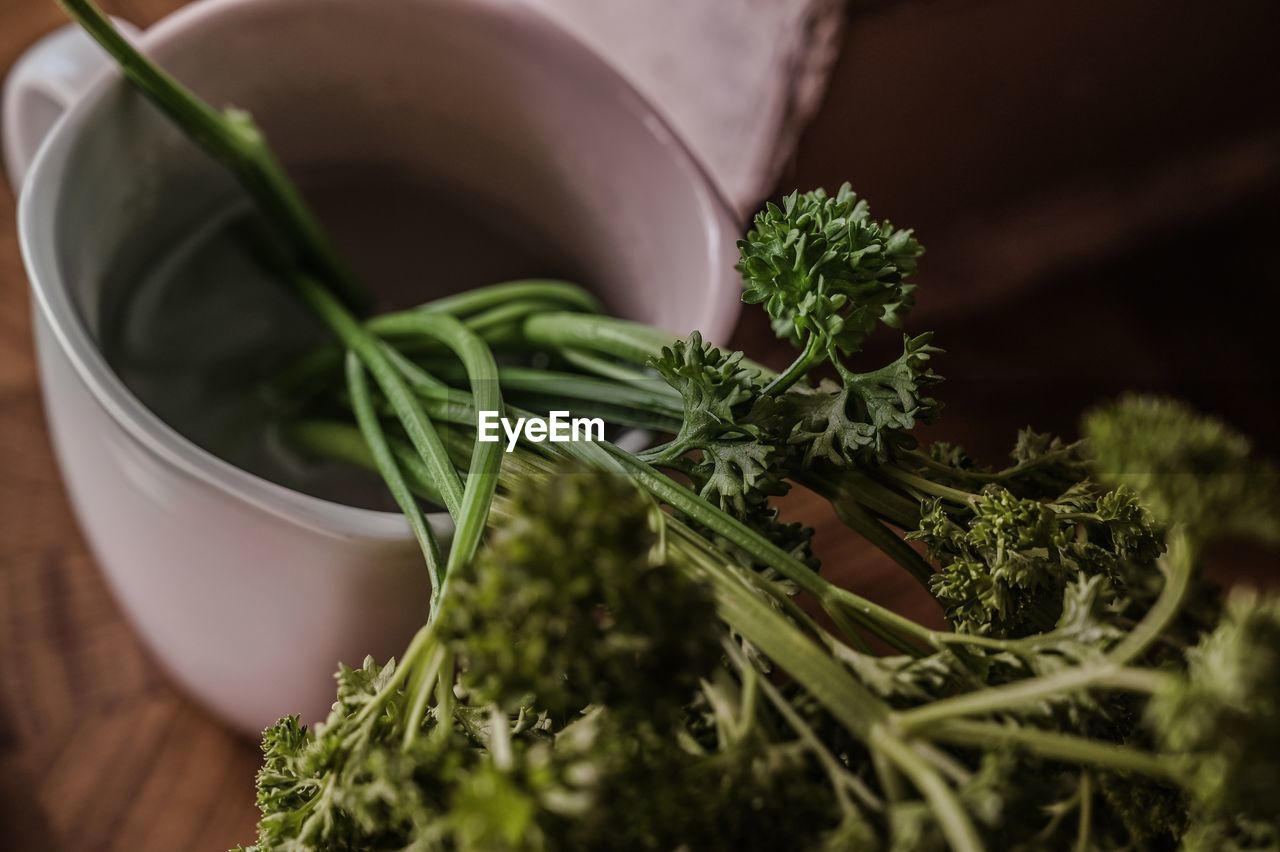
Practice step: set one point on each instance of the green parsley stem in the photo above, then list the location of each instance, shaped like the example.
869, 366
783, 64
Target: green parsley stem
947, 807
629, 341
604, 367
1178, 563
804, 362
842, 780
844, 484
421, 686
547, 290
856, 518
499, 322
1055, 746
341, 441
997, 699
496, 325
445, 701
408, 410
889, 777
486, 458
868, 614
231, 137
643, 397
385, 461
1085, 827
976, 476
926, 486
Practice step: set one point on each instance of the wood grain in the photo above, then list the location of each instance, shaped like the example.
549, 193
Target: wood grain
98, 751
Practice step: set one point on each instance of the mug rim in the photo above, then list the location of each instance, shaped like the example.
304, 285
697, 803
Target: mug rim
37, 218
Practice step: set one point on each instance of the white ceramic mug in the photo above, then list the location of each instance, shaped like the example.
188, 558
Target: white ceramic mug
247, 592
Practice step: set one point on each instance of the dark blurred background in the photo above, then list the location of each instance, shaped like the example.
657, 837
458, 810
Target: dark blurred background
1098, 186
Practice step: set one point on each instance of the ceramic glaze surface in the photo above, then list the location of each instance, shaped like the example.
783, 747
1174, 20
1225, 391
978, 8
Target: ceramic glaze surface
485, 94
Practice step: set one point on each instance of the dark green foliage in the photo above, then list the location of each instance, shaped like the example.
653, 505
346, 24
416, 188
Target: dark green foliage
554, 614
1004, 572
908, 681
794, 538
758, 796
737, 463
1006, 561
711, 383
1010, 799
315, 793
892, 396
1148, 814
1187, 468
739, 476
570, 605
1044, 465
592, 707
1233, 835
1224, 717
821, 266
868, 416
581, 688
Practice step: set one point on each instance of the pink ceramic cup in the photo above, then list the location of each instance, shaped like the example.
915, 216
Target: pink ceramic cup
247, 592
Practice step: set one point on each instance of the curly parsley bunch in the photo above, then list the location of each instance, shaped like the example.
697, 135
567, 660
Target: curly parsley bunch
1005, 562
571, 604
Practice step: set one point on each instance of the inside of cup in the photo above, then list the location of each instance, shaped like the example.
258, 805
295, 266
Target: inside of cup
446, 144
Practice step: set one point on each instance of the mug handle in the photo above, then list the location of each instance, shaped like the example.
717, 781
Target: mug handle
42, 85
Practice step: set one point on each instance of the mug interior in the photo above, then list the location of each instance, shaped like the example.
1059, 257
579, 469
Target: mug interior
405, 122
485, 101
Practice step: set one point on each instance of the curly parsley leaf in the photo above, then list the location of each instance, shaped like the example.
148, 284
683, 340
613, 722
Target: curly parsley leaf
820, 265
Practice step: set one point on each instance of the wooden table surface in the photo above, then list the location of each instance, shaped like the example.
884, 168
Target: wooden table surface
99, 751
